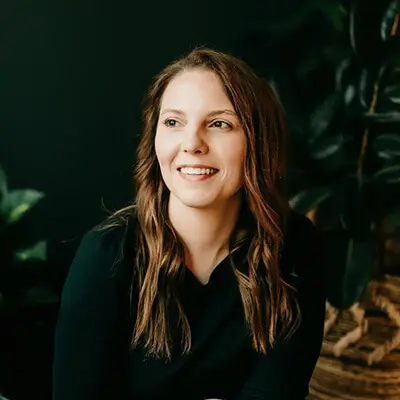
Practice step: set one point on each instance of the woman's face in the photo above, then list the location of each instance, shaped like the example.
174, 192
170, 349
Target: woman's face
199, 142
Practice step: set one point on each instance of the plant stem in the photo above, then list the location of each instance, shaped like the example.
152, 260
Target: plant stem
365, 138
395, 25
361, 162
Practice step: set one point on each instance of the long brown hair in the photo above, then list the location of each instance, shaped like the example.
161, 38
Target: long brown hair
266, 297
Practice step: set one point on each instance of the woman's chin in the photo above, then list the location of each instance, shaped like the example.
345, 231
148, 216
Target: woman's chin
198, 203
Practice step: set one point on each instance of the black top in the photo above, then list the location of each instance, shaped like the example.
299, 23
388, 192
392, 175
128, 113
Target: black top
92, 357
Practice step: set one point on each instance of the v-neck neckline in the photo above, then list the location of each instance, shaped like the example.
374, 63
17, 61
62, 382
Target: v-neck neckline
219, 270
223, 272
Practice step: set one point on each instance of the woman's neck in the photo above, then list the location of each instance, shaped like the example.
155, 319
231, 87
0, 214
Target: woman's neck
204, 230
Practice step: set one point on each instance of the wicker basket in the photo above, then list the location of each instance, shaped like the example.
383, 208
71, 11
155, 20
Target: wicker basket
360, 357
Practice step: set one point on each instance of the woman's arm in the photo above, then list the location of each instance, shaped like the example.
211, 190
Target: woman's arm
86, 358
285, 372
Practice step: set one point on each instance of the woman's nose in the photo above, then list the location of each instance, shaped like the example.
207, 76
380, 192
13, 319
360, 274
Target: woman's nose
194, 142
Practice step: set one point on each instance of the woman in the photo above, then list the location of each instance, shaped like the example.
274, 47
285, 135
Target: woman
208, 286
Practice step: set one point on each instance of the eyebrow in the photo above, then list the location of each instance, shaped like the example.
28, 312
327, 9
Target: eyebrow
211, 114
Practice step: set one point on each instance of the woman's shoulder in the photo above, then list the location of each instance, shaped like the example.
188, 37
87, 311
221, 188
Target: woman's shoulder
98, 270
106, 241
103, 252
99, 250
115, 235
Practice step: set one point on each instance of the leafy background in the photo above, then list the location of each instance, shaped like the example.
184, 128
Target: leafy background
338, 77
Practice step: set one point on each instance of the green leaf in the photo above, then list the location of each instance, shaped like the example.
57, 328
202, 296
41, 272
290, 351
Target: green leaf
365, 38
383, 118
393, 222
347, 207
36, 252
348, 264
335, 13
40, 294
389, 175
364, 88
20, 202
329, 152
308, 199
323, 115
387, 145
388, 19
392, 93
340, 73
324, 147
355, 213
349, 94
3, 191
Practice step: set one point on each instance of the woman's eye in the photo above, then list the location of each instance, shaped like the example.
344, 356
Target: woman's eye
170, 122
221, 124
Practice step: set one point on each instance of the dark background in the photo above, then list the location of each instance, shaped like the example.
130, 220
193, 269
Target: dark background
72, 78
73, 75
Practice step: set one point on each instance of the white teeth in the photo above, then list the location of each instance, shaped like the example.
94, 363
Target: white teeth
198, 171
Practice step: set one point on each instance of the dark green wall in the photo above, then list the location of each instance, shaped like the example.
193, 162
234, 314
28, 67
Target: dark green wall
72, 78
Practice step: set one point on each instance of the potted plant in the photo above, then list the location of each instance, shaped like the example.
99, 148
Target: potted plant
338, 77
25, 289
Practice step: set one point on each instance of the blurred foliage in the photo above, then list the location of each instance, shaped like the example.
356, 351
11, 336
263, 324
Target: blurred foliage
337, 74
22, 265
27, 294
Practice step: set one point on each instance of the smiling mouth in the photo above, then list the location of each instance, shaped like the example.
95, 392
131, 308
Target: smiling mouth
197, 171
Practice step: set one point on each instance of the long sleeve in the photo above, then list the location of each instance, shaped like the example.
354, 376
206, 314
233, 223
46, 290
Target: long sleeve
87, 352
284, 373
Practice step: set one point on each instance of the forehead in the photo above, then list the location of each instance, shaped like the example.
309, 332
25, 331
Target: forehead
195, 88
